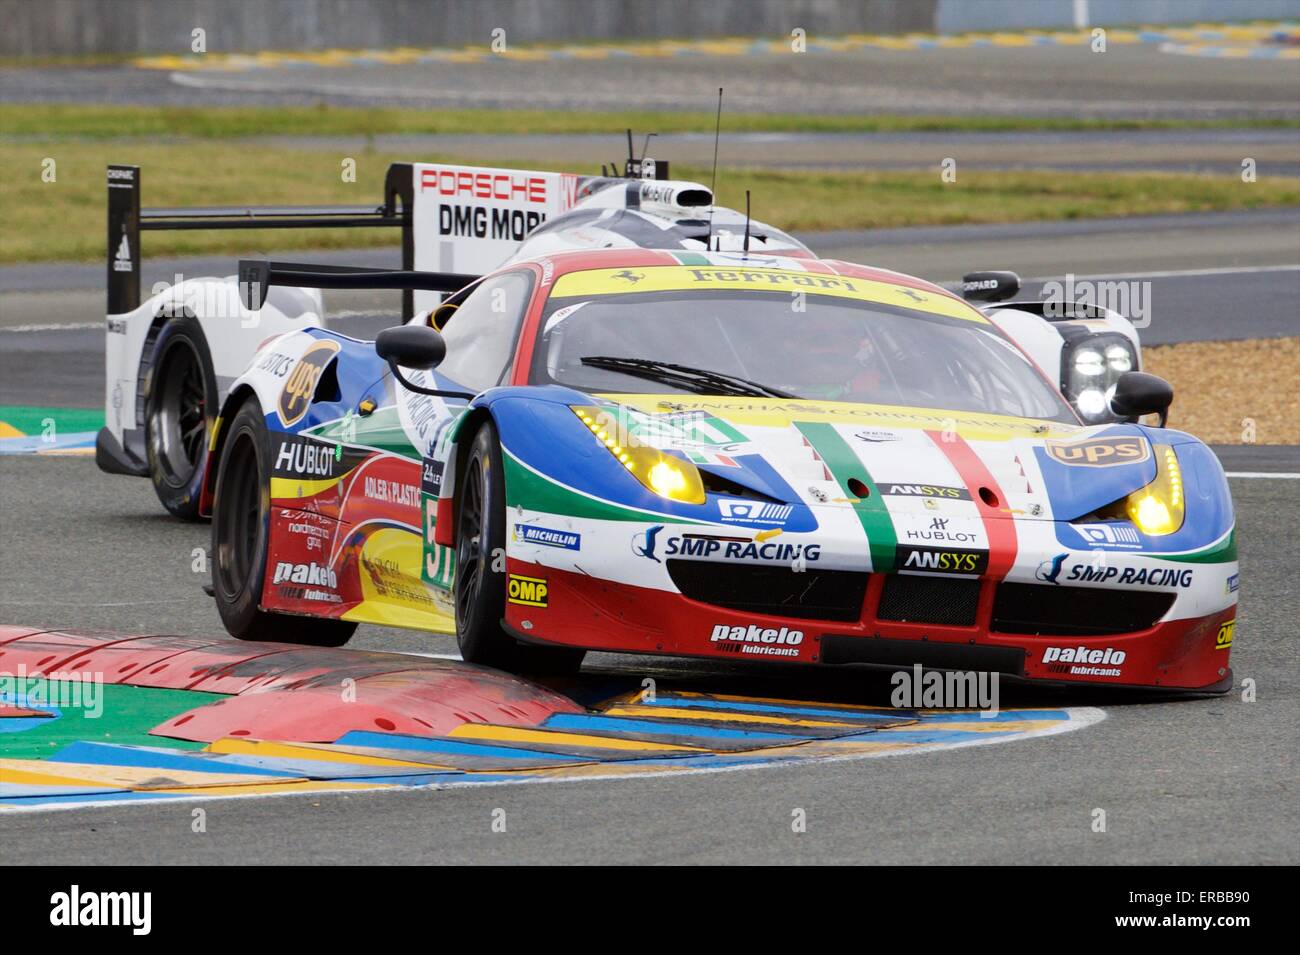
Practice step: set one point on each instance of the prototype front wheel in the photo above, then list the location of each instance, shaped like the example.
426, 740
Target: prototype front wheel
241, 520
180, 406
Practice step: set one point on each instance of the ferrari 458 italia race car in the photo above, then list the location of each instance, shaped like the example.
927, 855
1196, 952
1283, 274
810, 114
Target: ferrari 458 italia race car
705, 441
721, 455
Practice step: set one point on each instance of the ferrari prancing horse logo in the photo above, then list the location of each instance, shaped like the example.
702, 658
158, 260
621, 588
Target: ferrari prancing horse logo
300, 385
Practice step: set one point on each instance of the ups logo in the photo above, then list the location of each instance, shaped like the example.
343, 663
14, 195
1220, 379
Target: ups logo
1100, 452
1224, 640
295, 398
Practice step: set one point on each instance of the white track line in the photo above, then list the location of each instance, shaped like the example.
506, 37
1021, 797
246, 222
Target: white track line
1265, 475
53, 327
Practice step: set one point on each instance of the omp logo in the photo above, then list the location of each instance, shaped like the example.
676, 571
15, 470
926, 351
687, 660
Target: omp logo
926, 490
299, 387
753, 512
74, 907
759, 641
1224, 640
1100, 452
940, 560
529, 591
313, 573
122, 260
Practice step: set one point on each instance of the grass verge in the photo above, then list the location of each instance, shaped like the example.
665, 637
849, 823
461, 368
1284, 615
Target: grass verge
64, 219
221, 122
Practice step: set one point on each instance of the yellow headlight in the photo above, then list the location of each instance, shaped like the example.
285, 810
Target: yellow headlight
668, 476
1157, 509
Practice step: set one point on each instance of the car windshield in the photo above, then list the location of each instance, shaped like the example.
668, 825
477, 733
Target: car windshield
815, 347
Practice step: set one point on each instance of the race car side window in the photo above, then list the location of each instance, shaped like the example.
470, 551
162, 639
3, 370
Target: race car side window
481, 334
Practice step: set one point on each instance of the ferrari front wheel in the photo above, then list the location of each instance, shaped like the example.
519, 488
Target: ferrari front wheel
241, 521
480, 583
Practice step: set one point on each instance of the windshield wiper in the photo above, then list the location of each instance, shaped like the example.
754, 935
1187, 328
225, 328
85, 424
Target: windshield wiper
700, 381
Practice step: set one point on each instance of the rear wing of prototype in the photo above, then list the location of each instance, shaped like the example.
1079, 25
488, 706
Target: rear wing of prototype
127, 219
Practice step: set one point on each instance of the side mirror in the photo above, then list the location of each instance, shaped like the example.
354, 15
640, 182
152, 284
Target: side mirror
411, 346
414, 346
1137, 393
989, 286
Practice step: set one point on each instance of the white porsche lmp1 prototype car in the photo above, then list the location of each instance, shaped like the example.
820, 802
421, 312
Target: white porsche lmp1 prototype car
171, 358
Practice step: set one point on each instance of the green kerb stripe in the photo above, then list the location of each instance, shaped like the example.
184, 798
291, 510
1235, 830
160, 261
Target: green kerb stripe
844, 464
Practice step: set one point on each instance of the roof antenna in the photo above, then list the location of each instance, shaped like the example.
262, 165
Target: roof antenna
746, 221
713, 185
631, 154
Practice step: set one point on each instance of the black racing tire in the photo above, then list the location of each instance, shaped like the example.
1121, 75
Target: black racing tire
241, 521
180, 409
479, 588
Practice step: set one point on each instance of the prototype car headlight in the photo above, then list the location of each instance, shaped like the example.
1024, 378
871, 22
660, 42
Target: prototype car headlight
1090, 369
668, 476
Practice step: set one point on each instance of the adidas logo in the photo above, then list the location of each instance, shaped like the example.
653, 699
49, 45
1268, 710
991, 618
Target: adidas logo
122, 261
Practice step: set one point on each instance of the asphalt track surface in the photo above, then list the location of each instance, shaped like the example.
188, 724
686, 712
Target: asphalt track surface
1124, 82
1190, 781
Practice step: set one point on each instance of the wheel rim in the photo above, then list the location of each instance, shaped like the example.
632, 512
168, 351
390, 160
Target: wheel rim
239, 516
180, 417
469, 543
